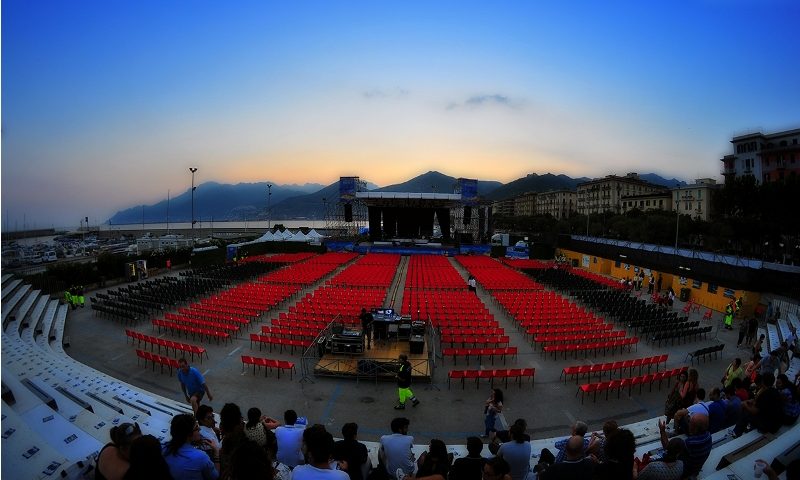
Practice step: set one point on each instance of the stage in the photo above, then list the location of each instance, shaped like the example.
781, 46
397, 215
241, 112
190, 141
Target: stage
379, 363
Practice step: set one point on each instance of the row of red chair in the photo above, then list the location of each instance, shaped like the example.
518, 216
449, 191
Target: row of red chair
566, 328
229, 307
630, 382
375, 270
480, 353
196, 321
280, 257
603, 280
167, 344
203, 333
156, 359
302, 344
493, 275
268, 365
620, 366
290, 332
475, 340
594, 347
548, 339
519, 374
294, 320
432, 272
210, 316
471, 331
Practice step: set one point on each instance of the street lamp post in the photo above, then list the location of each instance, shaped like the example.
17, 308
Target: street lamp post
193, 169
269, 206
677, 215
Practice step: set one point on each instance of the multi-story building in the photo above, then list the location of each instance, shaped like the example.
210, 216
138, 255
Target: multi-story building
647, 202
695, 200
525, 204
503, 207
766, 157
603, 194
556, 203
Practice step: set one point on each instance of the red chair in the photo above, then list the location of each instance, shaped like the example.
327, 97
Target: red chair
471, 374
455, 375
587, 388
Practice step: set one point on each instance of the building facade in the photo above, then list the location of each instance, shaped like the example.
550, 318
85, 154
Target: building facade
695, 200
525, 204
604, 194
557, 203
766, 157
647, 202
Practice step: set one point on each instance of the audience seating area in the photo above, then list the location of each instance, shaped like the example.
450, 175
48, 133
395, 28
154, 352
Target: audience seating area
619, 366
518, 374
629, 382
268, 365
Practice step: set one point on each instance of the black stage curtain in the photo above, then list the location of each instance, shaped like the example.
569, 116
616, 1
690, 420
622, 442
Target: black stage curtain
426, 221
443, 215
375, 232
407, 224
390, 222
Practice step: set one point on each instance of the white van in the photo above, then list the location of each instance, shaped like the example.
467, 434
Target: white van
50, 256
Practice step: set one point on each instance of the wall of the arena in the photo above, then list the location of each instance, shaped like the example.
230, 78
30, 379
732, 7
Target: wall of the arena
715, 297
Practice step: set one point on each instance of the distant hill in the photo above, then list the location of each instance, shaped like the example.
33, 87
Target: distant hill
535, 183
436, 182
659, 180
213, 200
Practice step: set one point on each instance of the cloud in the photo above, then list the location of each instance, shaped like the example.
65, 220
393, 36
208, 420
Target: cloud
377, 93
478, 101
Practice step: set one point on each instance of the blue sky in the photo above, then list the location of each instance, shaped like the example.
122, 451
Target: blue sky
105, 105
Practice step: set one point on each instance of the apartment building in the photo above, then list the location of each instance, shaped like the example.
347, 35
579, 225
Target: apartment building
766, 157
695, 199
604, 194
556, 203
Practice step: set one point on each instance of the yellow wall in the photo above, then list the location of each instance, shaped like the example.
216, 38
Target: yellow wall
715, 301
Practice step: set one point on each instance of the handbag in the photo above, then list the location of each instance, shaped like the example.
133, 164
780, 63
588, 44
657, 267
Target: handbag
500, 423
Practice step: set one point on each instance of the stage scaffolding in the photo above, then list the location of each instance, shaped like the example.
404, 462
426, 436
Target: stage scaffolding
341, 224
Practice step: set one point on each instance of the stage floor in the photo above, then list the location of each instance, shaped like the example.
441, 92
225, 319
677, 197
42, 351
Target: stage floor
378, 362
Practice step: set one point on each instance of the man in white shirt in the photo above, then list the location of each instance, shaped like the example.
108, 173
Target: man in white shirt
395, 451
208, 428
290, 440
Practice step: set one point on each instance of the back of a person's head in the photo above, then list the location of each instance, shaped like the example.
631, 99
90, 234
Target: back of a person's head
290, 417
698, 424
437, 448
124, 434
715, 394
474, 446
250, 461
230, 418
522, 423
730, 391
180, 428
621, 445
701, 394
399, 423
610, 427
253, 417
574, 447
202, 411
581, 428
517, 433
147, 461
768, 379
349, 431
693, 375
319, 443
674, 449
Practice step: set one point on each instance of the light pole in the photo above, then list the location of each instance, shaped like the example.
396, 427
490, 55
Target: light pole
677, 215
193, 169
269, 206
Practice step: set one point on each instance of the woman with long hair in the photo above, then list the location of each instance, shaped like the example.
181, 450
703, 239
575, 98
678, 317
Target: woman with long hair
186, 462
114, 458
147, 463
689, 389
674, 399
231, 429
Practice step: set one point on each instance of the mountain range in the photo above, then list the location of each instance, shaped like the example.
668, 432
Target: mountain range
252, 201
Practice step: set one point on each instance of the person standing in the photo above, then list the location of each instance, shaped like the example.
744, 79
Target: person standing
651, 283
193, 384
404, 392
473, 284
752, 328
729, 316
494, 405
366, 326
742, 332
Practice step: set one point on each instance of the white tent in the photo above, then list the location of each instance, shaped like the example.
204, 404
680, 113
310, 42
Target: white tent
284, 235
267, 237
298, 237
314, 235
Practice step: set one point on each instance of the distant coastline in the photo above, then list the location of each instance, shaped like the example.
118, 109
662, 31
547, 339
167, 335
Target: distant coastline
257, 225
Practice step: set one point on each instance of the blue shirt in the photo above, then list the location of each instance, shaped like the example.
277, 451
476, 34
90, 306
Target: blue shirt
189, 463
193, 381
698, 447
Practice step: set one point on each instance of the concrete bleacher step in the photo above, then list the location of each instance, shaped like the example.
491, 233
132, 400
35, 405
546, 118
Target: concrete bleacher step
10, 287
787, 442
25, 453
12, 302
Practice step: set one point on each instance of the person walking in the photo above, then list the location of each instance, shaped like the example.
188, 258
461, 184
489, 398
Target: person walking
403, 376
494, 405
743, 323
193, 384
366, 326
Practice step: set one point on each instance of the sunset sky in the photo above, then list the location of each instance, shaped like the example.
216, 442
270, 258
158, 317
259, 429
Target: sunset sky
105, 104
